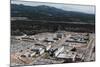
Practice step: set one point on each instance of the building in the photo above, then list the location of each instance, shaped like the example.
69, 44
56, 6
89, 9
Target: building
59, 50
49, 39
18, 38
63, 48
60, 35
77, 41
67, 55
48, 47
38, 49
41, 39
33, 54
65, 52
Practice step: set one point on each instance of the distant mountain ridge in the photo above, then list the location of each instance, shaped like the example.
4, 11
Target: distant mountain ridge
48, 13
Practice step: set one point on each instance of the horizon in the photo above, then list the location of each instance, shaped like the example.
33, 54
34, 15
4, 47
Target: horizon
66, 7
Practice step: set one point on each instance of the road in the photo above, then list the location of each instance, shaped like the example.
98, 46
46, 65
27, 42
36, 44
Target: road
89, 50
60, 42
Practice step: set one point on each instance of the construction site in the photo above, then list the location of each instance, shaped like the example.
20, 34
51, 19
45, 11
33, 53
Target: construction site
52, 48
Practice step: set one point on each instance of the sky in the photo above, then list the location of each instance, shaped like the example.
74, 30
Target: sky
67, 7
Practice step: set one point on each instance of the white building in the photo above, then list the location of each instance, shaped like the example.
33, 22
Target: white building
61, 49
48, 47
38, 49
67, 55
33, 54
49, 39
